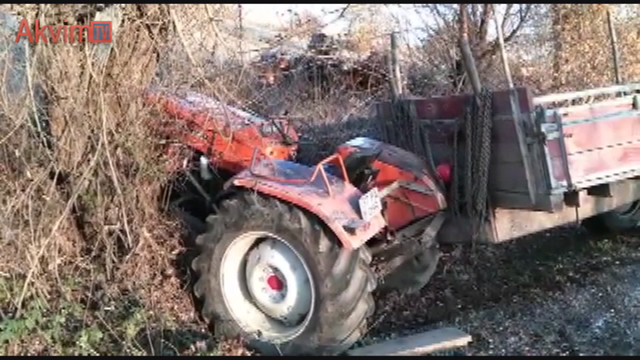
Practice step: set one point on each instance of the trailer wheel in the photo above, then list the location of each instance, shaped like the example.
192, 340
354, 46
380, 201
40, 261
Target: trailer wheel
274, 276
622, 219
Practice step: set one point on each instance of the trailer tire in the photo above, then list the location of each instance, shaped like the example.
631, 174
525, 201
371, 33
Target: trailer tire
622, 219
333, 284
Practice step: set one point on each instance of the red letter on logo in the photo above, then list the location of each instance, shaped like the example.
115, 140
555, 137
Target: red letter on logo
55, 36
40, 31
24, 30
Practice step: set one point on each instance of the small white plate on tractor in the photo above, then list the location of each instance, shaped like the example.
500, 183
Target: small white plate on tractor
370, 204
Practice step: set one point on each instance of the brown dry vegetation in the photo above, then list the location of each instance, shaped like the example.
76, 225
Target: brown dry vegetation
89, 263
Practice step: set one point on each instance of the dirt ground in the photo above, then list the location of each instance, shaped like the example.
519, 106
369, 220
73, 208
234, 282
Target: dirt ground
565, 292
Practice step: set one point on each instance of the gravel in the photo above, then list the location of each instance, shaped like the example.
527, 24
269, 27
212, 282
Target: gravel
564, 292
600, 318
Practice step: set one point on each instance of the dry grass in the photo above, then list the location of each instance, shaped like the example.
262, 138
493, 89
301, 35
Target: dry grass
85, 210
83, 231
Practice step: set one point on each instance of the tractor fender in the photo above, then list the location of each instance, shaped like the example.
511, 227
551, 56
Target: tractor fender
334, 202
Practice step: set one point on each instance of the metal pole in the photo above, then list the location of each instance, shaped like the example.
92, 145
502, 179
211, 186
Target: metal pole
503, 51
614, 48
515, 110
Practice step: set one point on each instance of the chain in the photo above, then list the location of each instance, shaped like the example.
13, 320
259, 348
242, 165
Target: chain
474, 170
484, 126
469, 188
454, 192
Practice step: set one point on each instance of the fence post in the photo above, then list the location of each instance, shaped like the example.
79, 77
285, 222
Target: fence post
614, 48
394, 68
465, 50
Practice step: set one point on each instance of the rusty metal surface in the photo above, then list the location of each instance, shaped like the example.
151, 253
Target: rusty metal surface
404, 204
437, 119
334, 201
224, 133
451, 107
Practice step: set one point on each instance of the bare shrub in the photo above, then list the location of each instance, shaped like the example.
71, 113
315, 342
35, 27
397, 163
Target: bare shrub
82, 170
85, 203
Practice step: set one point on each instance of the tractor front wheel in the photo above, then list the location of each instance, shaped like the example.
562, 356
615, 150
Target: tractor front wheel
276, 277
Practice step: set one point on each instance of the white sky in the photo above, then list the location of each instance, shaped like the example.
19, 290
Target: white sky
408, 21
278, 14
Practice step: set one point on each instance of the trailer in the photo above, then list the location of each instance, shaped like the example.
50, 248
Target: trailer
552, 163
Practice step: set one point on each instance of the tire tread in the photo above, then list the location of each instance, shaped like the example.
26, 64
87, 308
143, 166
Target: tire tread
345, 280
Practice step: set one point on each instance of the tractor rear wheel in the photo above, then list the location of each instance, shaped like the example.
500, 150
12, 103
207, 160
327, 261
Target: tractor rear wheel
276, 277
621, 219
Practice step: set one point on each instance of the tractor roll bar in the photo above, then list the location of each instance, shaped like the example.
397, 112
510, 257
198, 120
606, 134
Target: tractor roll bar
319, 168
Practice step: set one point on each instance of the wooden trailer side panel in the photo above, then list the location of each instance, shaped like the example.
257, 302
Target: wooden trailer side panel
508, 180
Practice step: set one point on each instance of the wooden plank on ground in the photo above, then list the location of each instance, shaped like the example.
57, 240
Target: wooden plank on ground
418, 344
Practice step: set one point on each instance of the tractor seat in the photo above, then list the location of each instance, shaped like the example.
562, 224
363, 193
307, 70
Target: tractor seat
358, 165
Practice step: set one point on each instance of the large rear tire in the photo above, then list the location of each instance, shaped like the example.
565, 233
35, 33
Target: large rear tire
619, 220
275, 276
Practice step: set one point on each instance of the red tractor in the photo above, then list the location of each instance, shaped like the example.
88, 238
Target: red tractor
207, 142
282, 260
285, 258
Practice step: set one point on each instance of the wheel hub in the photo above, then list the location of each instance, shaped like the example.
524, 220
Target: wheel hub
277, 282
270, 285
